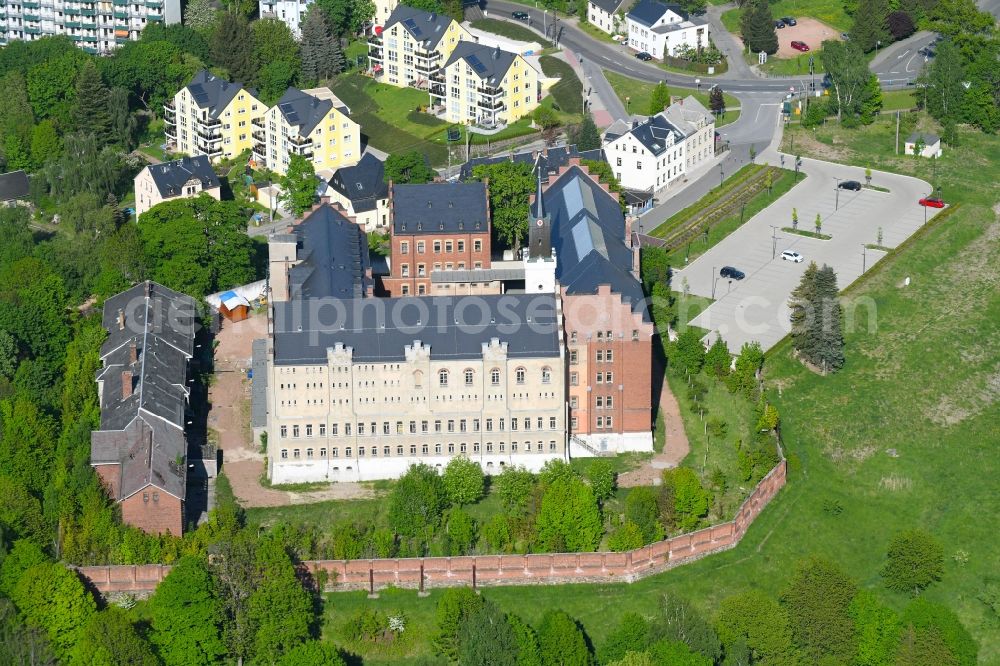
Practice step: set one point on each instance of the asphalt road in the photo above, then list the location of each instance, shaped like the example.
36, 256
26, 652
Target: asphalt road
756, 308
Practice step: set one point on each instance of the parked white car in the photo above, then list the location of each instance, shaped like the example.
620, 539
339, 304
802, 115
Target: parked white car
788, 255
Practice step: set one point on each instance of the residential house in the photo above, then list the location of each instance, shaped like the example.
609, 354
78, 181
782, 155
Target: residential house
362, 191
606, 15
436, 227
313, 123
412, 46
97, 28
179, 179
140, 449
290, 12
485, 86
14, 187
924, 144
212, 116
698, 126
661, 29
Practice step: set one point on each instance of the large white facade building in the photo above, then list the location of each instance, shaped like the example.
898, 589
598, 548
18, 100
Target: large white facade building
661, 30
96, 27
290, 12
648, 155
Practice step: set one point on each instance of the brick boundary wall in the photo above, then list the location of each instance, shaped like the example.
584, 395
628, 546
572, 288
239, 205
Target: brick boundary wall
495, 570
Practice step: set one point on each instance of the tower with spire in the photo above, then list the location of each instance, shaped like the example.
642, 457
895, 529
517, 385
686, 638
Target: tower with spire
539, 257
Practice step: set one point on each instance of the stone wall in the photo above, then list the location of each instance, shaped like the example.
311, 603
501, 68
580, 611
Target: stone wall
493, 570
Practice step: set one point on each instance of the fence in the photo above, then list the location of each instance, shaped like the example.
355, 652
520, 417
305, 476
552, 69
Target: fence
493, 570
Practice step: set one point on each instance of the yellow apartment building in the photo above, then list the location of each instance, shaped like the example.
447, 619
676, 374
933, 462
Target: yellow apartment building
412, 46
313, 123
211, 116
485, 86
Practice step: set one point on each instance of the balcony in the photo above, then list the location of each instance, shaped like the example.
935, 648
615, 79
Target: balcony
121, 15
375, 54
427, 69
427, 55
71, 11
31, 5
92, 50
170, 131
490, 92
491, 104
155, 17
32, 30
88, 12
155, 4
89, 26
374, 41
32, 17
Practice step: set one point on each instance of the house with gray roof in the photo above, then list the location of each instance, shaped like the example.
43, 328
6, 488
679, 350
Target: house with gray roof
13, 186
662, 29
211, 116
140, 447
607, 15
362, 191
184, 178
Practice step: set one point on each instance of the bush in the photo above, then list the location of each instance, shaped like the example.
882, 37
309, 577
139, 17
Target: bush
915, 559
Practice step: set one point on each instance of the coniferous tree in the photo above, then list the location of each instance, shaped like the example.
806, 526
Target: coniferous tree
717, 101
870, 24
319, 48
659, 100
91, 113
123, 123
758, 27
587, 136
828, 332
232, 47
803, 310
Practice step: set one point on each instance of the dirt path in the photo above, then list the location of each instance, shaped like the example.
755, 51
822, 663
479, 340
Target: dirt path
229, 419
675, 446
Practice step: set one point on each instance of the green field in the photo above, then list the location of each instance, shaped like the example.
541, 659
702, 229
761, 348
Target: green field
797, 66
905, 435
639, 93
568, 92
830, 12
508, 30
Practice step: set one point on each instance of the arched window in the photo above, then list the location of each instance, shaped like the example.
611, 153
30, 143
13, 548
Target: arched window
495, 377
546, 375
418, 379
519, 375
468, 376
443, 378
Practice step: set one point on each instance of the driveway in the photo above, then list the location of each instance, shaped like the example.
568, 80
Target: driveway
756, 308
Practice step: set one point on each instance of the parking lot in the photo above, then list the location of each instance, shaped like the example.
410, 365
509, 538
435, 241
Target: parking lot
756, 308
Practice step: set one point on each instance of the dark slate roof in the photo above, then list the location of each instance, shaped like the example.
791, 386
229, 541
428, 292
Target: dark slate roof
170, 177
549, 161
333, 257
212, 92
439, 208
258, 387
651, 133
144, 432
303, 110
929, 138
488, 63
610, 6
454, 327
649, 12
588, 234
426, 27
364, 183
13, 185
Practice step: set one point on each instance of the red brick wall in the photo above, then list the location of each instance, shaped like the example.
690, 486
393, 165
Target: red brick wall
111, 478
394, 283
165, 513
489, 570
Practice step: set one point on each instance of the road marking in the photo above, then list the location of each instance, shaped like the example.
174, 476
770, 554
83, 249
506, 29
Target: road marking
900, 56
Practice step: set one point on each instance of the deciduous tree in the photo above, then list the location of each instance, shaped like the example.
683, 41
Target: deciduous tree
416, 502
760, 623
314, 653
659, 99
718, 360
514, 486
568, 519
690, 352
279, 606
914, 560
602, 478
632, 634
681, 622
641, 509
52, 598
877, 628
455, 605
562, 641
463, 481
717, 101
298, 185
510, 185
185, 616
109, 638
201, 16
818, 599
409, 167
922, 616
848, 71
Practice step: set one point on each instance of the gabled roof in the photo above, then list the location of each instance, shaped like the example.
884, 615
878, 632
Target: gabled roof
439, 208
143, 387
490, 64
648, 12
170, 177
680, 25
588, 234
364, 183
13, 185
426, 27
332, 257
304, 110
610, 6
380, 329
685, 114
927, 137
654, 133
213, 93
548, 161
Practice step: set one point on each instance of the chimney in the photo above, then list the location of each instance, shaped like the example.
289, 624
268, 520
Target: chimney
133, 353
126, 384
121, 320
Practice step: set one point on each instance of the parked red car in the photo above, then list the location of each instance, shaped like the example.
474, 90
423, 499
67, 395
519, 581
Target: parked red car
800, 46
932, 202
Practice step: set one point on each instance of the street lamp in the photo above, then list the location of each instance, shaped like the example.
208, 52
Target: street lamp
722, 175
836, 206
697, 82
774, 241
878, 43
864, 257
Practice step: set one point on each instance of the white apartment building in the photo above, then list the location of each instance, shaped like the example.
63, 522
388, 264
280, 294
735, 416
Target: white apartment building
660, 29
96, 27
606, 15
647, 155
290, 12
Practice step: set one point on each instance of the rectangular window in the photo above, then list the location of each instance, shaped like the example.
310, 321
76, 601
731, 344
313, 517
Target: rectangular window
599, 402
608, 356
608, 403
489, 425
309, 430
335, 452
573, 357
347, 451
574, 379
461, 246
437, 426
423, 427
413, 427
284, 431
399, 450
295, 431
600, 421
475, 425
607, 421
322, 430
477, 245
600, 356
552, 423
404, 248
462, 425
322, 452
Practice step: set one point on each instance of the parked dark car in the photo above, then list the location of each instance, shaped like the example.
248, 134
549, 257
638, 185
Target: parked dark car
850, 185
846, 36
643, 56
779, 24
520, 16
732, 273
788, 20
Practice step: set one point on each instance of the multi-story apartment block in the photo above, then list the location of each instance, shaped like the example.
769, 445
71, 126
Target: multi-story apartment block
290, 12
662, 29
650, 154
436, 227
360, 388
313, 123
485, 86
96, 27
412, 46
213, 117
140, 449
178, 179
383, 10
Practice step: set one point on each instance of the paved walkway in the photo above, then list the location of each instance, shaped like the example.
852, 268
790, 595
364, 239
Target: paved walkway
728, 44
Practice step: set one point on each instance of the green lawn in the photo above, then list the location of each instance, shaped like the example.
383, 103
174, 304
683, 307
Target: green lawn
568, 92
797, 66
902, 100
639, 93
830, 12
508, 30
905, 435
